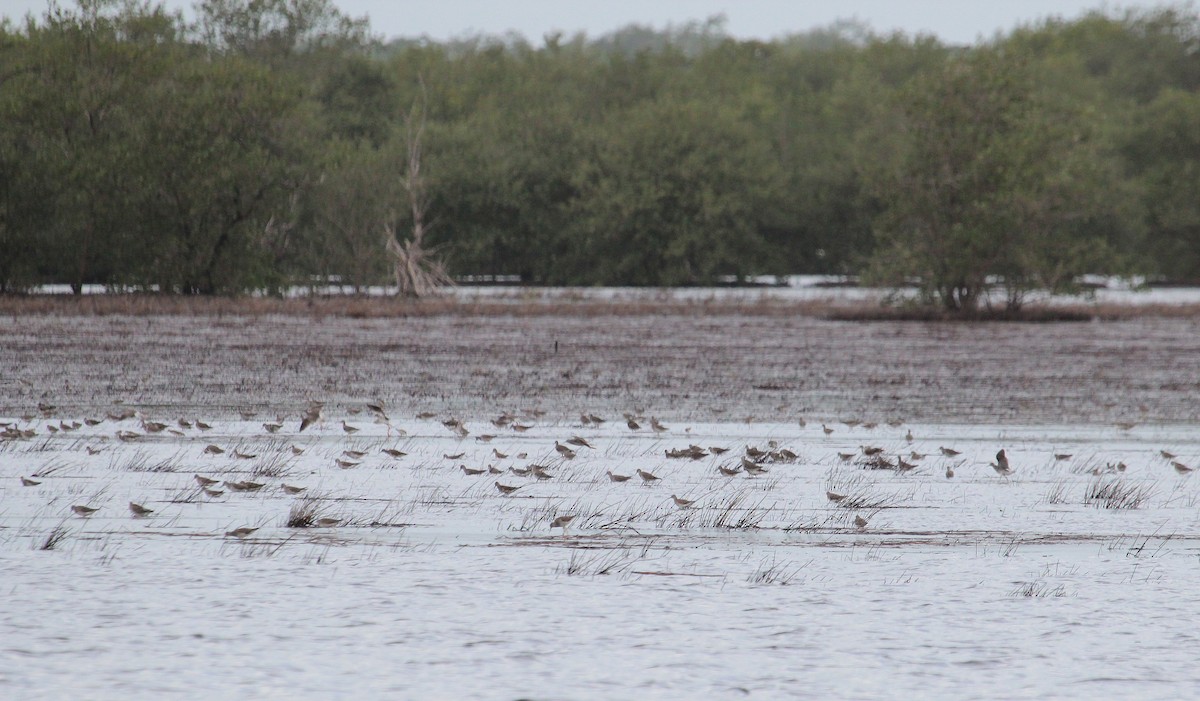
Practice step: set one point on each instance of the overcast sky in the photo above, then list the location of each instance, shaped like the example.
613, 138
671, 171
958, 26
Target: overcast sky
954, 21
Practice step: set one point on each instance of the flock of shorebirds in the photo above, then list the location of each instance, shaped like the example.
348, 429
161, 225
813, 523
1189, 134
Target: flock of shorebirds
753, 463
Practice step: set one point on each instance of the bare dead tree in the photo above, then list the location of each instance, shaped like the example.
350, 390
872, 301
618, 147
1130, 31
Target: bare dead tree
418, 271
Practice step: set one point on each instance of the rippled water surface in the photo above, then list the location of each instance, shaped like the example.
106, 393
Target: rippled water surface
437, 586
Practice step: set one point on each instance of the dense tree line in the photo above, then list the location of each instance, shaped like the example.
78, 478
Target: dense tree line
267, 143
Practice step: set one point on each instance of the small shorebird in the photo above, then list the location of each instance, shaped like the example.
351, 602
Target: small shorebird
729, 471
870, 451
493, 470
470, 471
656, 426
1062, 456
564, 451
909, 436
203, 426
846, 457
499, 455
826, 429
394, 453
562, 522
834, 496
212, 492
346, 464
949, 472
289, 489
213, 449
139, 510
506, 489
917, 456
950, 452
241, 532
328, 522
753, 470
84, 510
1181, 468
1167, 455
632, 425
520, 471
540, 472
580, 442
682, 503
647, 478
456, 456
717, 450
617, 478
204, 481
354, 454
348, 428
1001, 465
902, 466
184, 423
860, 522
272, 428
244, 456
26, 482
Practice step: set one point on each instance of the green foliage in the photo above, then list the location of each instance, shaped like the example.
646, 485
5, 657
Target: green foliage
263, 146
990, 182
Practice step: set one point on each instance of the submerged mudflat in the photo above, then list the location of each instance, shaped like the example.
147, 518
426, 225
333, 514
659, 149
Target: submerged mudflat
1069, 578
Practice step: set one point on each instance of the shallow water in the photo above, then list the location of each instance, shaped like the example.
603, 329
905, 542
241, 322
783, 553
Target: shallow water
976, 587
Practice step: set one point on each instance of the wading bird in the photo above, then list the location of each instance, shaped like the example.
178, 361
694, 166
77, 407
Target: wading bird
1001, 465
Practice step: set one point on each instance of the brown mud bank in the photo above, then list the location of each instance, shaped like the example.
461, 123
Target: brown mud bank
565, 302
720, 365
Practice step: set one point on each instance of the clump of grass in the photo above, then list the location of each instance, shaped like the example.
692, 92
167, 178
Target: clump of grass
140, 462
736, 514
274, 465
598, 564
1117, 494
1038, 590
305, 512
781, 573
54, 538
1057, 493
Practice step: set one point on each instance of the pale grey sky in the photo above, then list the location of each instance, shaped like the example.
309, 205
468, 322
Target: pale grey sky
956, 21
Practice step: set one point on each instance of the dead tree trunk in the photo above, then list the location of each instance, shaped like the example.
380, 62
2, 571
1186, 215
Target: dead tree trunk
418, 271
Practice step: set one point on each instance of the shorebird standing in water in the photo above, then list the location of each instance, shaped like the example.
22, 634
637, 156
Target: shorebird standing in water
682, 503
139, 510
562, 522
647, 478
